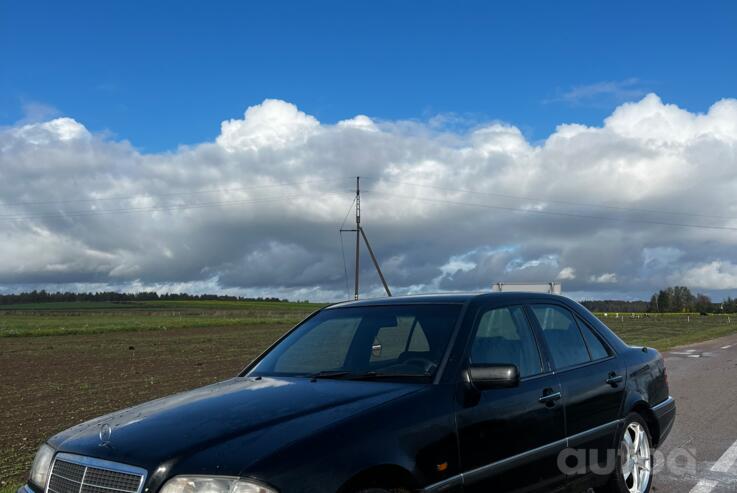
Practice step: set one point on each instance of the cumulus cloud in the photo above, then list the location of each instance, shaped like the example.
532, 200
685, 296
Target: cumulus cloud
713, 275
256, 211
271, 124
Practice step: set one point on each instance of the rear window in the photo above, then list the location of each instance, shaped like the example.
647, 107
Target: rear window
597, 349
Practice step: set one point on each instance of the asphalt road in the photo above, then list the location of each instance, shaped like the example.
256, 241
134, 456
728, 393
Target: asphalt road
700, 455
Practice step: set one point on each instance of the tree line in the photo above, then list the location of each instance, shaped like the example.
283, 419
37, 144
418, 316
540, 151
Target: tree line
615, 306
674, 299
111, 296
668, 300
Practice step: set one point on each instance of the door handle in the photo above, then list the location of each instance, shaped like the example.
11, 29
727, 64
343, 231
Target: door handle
614, 379
550, 397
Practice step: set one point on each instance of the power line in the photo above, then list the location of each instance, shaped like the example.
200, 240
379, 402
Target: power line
562, 202
345, 265
129, 210
342, 246
173, 194
154, 209
553, 213
347, 213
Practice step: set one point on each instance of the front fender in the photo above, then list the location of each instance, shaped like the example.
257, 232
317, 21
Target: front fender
414, 434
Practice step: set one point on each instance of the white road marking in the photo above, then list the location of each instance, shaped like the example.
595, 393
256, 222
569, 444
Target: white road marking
727, 346
694, 356
727, 460
724, 464
704, 486
681, 353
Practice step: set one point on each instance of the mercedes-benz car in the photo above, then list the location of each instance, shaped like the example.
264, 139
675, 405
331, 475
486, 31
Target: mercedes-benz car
487, 392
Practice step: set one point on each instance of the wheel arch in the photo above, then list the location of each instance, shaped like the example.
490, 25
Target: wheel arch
643, 409
387, 476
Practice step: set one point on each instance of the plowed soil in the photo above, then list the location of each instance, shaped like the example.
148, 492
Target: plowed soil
49, 383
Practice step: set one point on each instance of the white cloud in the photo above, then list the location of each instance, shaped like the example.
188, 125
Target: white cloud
651, 119
499, 138
457, 264
606, 278
361, 122
80, 209
713, 275
58, 130
567, 274
272, 123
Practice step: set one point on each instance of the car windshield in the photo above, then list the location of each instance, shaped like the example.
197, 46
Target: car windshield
379, 342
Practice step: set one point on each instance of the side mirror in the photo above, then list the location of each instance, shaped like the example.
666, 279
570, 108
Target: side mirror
484, 377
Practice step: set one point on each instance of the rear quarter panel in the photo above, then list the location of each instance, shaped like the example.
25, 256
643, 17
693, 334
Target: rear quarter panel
646, 377
646, 387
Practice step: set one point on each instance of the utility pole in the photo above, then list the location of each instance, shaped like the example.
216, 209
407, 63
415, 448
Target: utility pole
360, 233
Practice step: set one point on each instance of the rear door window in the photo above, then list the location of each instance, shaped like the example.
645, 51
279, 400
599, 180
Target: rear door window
562, 335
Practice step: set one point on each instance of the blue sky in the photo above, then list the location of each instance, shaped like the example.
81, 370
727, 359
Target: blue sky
166, 73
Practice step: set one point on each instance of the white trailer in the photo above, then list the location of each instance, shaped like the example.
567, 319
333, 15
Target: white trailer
528, 287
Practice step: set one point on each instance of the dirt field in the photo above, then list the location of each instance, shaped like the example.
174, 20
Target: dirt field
49, 383
107, 360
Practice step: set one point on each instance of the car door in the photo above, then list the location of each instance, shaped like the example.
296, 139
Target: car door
510, 437
592, 382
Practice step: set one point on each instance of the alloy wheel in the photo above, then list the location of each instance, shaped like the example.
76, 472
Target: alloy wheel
636, 459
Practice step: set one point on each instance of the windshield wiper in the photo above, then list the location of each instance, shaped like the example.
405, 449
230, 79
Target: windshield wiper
329, 374
374, 375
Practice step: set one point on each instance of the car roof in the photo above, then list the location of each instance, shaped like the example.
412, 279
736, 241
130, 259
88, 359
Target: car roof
441, 298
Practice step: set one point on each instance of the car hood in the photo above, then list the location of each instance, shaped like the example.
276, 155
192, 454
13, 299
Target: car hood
176, 427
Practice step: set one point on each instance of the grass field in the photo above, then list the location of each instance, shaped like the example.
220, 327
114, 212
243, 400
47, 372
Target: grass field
89, 318
63, 363
664, 331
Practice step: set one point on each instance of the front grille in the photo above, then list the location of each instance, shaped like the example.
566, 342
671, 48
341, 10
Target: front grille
76, 474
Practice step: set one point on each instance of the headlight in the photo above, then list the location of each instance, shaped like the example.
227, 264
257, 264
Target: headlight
41, 465
213, 484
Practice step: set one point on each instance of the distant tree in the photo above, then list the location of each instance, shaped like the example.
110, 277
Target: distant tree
703, 304
730, 305
682, 300
110, 296
615, 306
664, 300
652, 307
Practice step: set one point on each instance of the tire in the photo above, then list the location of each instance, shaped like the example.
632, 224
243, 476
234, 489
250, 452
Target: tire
382, 490
634, 469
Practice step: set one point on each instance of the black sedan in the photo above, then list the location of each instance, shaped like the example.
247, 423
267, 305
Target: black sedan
490, 392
